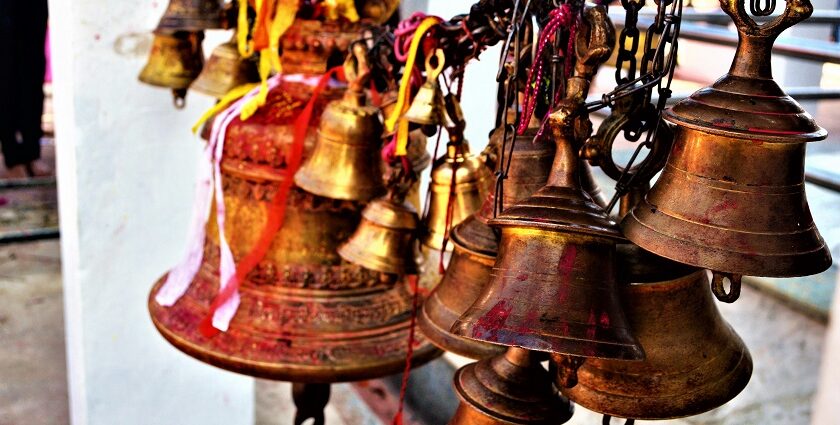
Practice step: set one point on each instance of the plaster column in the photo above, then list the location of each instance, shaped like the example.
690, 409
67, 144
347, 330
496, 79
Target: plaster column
126, 172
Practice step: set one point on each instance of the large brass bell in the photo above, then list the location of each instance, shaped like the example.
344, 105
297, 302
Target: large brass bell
225, 70
553, 286
346, 163
456, 190
174, 62
475, 245
305, 315
511, 388
694, 360
192, 15
732, 196
428, 108
384, 241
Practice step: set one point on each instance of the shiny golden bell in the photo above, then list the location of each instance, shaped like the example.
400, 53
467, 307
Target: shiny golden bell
384, 241
475, 245
192, 15
553, 286
511, 388
694, 361
224, 71
174, 61
732, 196
456, 190
346, 163
427, 108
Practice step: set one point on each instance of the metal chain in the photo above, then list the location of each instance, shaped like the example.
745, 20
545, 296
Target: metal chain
629, 34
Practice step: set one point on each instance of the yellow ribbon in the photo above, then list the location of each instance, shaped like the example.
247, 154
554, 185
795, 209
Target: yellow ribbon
246, 47
231, 96
341, 8
402, 97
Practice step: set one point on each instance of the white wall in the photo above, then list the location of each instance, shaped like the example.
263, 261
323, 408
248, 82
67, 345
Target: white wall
126, 165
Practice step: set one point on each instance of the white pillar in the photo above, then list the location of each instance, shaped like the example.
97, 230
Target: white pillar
827, 401
126, 166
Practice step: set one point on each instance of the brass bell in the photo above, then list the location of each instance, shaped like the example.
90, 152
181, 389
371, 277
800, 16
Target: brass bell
174, 62
694, 360
192, 15
305, 315
475, 245
511, 388
553, 286
384, 241
224, 71
456, 190
428, 108
378, 11
346, 163
732, 196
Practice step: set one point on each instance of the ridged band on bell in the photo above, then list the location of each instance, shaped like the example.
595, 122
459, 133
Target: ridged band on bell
174, 61
510, 388
346, 164
694, 361
475, 245
192, 15
732, 195
384, 241
553, 286
305, 315
468, 174
224, 71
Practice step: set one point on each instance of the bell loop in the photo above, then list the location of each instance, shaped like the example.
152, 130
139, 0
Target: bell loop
719, 289
179, 98
758, 9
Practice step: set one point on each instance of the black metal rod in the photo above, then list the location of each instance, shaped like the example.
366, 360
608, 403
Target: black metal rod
29, 235
819, 17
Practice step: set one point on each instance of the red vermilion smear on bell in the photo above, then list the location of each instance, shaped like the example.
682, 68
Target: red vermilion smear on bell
487, 327
564, 270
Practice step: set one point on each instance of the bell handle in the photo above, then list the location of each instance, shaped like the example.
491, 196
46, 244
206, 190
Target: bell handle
720, 291
607, 419
434, 71
755, 41
595, 42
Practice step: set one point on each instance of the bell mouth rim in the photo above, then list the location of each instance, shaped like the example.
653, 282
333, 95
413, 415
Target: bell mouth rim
452, 343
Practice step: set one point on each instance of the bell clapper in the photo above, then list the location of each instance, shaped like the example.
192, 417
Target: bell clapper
608, 419
719, 289
567, 368
179, 98
310, 401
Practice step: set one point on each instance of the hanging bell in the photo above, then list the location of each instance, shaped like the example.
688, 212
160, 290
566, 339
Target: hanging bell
428, 108
305, 315
192, 15
225, 70
174, 62
457, 188
732, 196
511, 388
384, 241
694, 360
378, 11
475, 245
346, 164
553, 286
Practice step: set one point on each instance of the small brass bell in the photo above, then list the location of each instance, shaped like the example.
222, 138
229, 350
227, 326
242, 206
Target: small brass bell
553, 286
428, 108
511, 388
346, 163
694, 361
732, 196
384, 241
224, 71
457, 188
475, 245
192, 15
174, 62
378, 11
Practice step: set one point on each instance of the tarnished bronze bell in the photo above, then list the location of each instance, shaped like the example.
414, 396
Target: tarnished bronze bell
694, 360
384, 241
458, 184
510, 388
732, 196
225, 70
475, 245
346, 163
305, 315
174, 62
192, 15
553, 286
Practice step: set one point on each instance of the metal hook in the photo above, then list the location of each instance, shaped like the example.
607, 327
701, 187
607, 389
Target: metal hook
758, 10
719, 290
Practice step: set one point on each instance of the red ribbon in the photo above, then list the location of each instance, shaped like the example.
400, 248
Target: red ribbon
277, 208
398, 417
